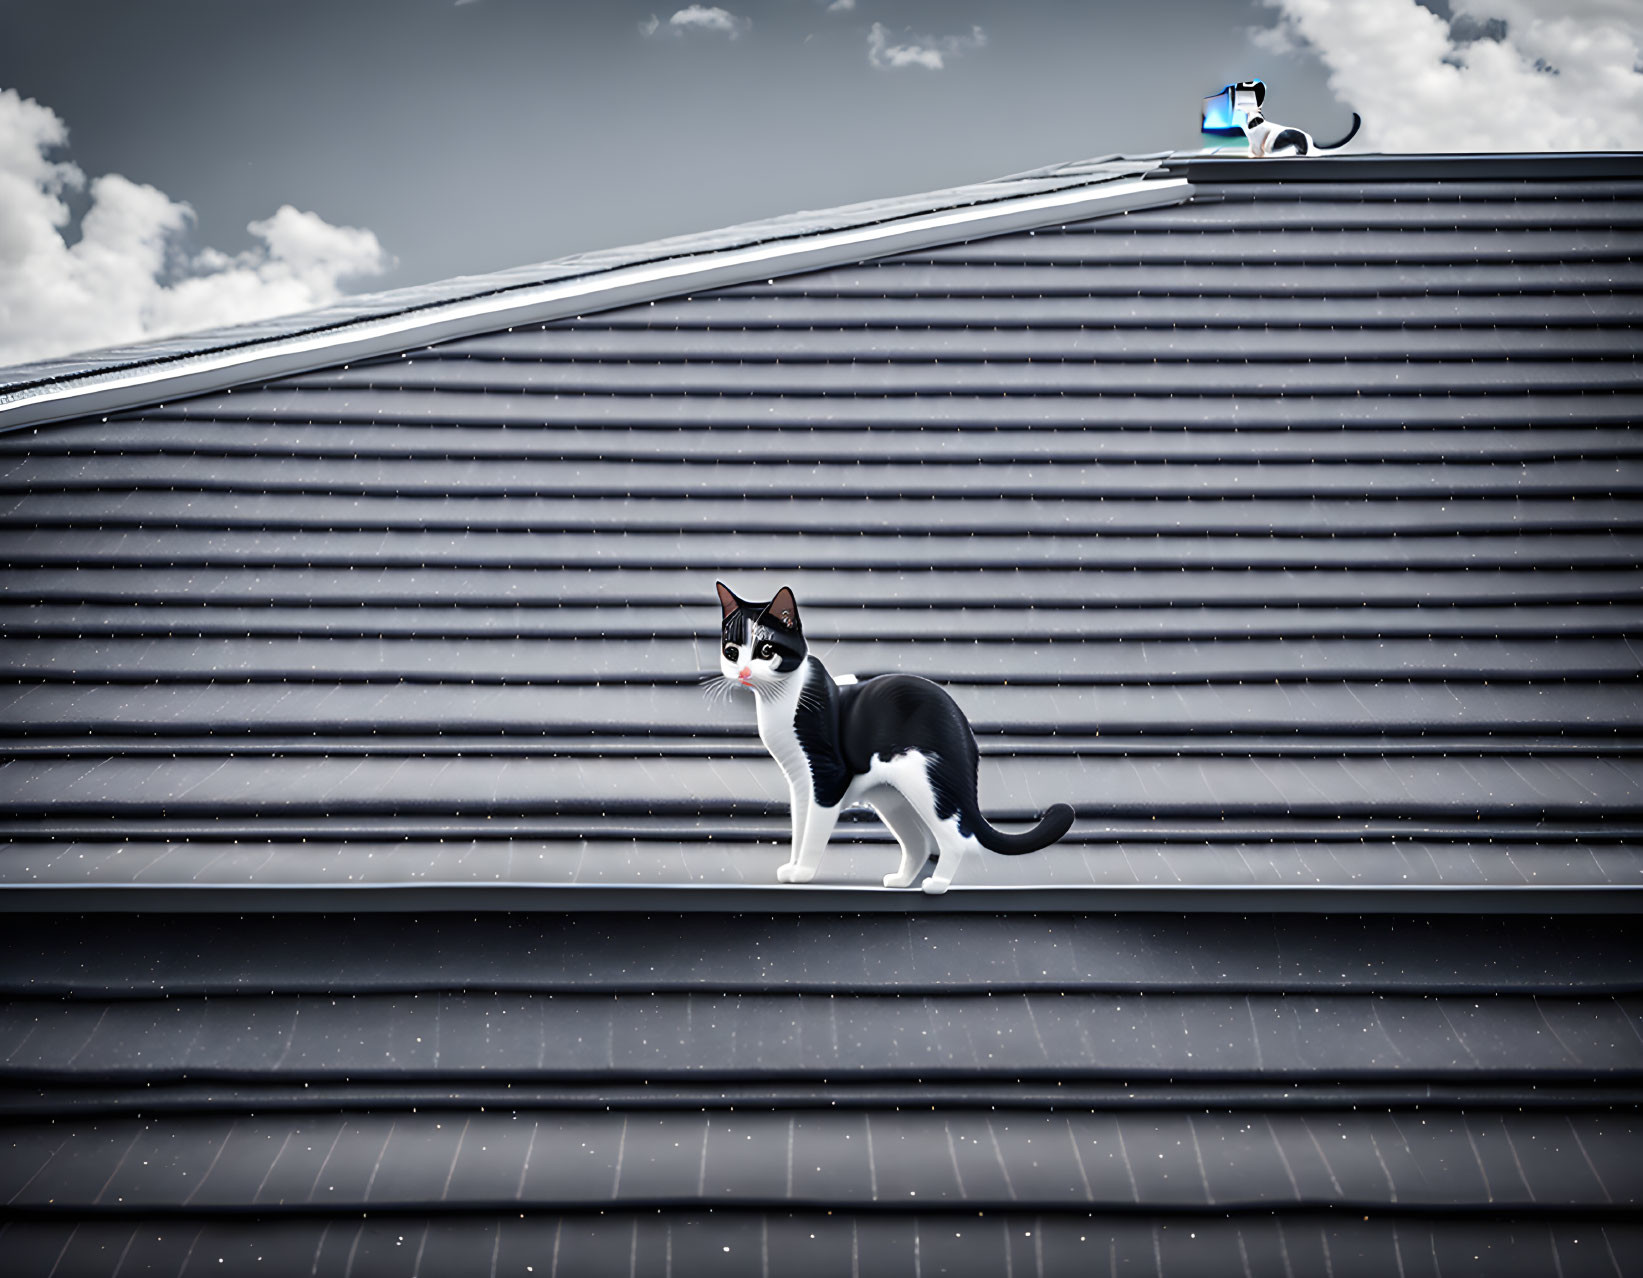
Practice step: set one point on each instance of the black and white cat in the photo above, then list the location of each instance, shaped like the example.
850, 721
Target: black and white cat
895, 742
1267, 138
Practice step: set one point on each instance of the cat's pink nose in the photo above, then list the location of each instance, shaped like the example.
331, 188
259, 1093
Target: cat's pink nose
746, 672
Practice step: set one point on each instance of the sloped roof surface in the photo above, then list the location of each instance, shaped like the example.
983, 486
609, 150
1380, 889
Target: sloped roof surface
968, 1091
1302, 510
1292, 534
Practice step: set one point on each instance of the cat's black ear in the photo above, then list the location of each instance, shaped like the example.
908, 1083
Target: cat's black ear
784, 609
727, 600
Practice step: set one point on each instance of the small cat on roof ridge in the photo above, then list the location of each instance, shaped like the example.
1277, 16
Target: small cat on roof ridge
1269, 139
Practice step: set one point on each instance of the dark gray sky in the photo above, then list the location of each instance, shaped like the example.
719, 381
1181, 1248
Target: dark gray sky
488, 134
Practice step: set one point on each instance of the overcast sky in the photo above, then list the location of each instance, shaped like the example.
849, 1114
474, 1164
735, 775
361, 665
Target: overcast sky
170, 164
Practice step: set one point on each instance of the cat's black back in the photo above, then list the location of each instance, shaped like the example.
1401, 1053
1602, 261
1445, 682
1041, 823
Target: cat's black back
842, 729
892, 713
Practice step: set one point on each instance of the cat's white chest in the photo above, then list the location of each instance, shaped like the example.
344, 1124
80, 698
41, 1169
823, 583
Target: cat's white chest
776, 713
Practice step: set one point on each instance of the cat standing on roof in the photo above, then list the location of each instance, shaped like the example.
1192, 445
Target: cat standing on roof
1269, 139
895, 742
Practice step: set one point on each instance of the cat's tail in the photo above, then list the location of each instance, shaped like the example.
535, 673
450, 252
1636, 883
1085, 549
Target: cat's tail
1051, 826
1351, 133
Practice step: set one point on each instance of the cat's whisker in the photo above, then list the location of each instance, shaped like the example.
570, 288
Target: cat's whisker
716, 687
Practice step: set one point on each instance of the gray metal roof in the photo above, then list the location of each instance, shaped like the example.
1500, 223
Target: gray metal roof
1306, 506
1292, 532
646, 1093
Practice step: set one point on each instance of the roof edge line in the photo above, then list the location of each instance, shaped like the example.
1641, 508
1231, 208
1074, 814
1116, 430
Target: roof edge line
561, 299
854, 898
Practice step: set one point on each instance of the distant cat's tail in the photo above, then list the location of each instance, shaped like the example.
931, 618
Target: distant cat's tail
1350, 134
1051, 826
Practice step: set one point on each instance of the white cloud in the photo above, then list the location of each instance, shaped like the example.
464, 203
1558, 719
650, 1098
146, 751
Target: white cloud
709, 18
1509, 75
648, 27
127, 276
841, 6
1623, 13
923, 51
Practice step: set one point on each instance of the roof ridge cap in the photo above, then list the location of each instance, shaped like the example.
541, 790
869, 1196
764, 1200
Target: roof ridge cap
363, 327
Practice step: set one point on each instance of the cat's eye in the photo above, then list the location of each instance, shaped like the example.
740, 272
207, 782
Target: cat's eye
766, 651
730, 652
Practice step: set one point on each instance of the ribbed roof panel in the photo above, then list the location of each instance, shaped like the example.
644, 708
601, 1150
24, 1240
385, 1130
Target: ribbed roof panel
1332, 464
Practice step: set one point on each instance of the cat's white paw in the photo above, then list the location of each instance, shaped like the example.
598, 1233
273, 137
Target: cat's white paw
799, 873
895, 880
784, 873
935, 887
